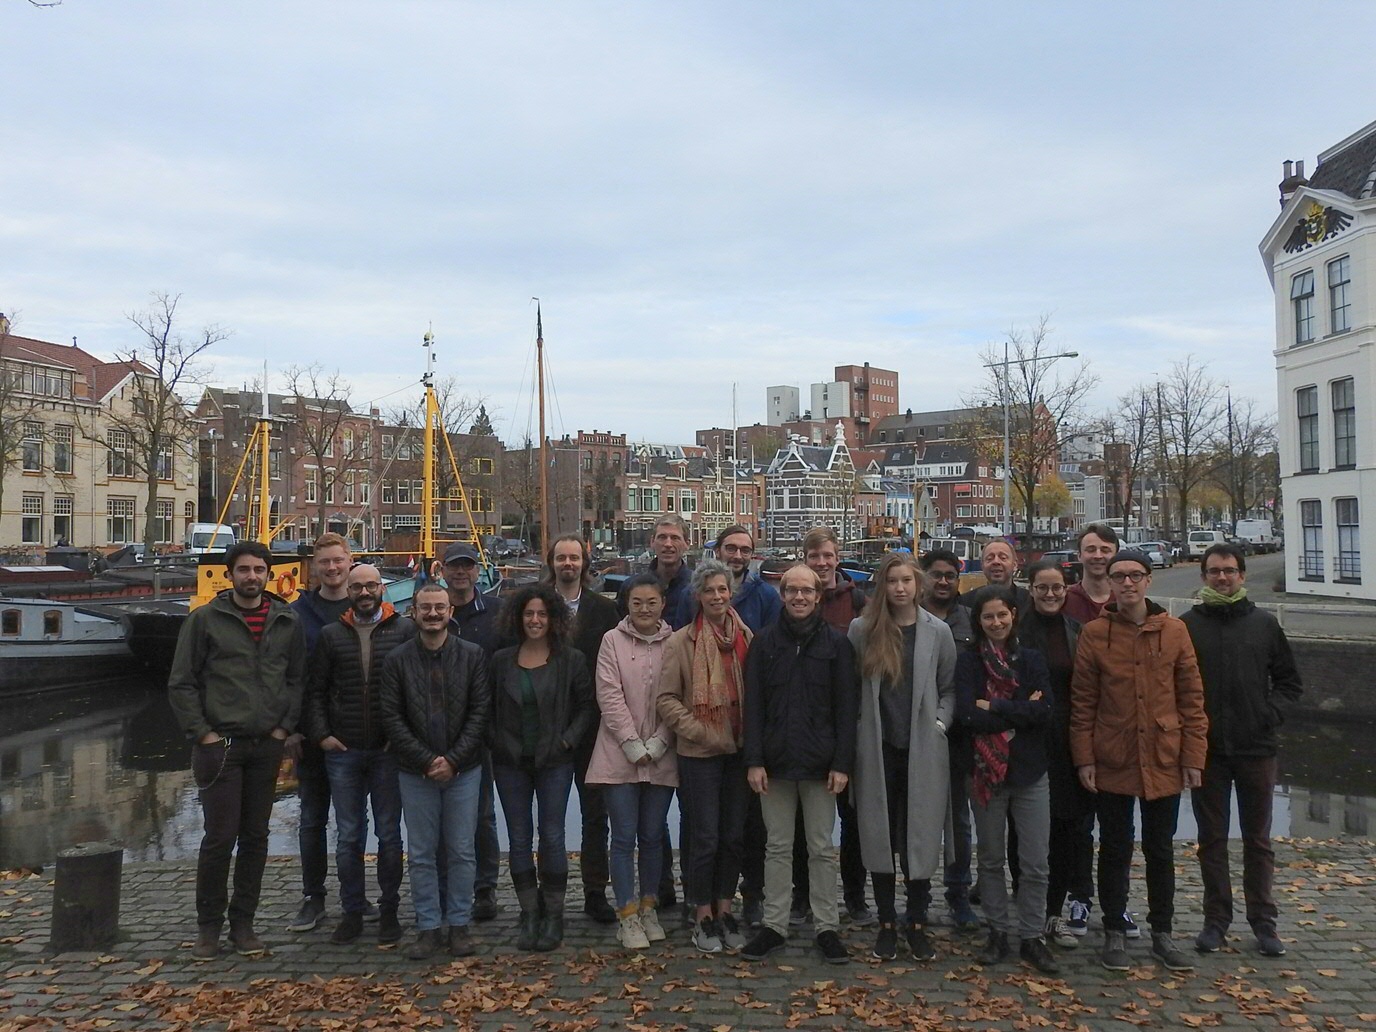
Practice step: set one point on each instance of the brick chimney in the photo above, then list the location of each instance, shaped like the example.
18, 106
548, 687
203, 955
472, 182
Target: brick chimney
1294, 179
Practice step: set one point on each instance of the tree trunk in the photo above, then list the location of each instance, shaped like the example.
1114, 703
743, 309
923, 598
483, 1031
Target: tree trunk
150, 514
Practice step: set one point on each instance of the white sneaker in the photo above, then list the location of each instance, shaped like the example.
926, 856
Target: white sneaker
1059, 935
631, 934
649, 920
705, 936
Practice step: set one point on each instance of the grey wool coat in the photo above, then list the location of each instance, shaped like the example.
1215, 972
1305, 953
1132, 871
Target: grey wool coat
934, 698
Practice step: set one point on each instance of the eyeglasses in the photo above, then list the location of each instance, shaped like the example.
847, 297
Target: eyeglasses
436, 607
369, 586
1135, 576
738, 549
1048, 589
793, 590
1222, 571
950, 575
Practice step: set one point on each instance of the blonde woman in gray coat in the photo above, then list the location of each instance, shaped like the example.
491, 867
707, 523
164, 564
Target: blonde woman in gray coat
907, 662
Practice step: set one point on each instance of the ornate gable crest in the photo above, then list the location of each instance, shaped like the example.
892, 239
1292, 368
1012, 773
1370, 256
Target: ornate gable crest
1318, 223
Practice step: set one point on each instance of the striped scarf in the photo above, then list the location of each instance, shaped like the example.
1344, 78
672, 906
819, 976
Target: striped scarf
991, 750
718, 665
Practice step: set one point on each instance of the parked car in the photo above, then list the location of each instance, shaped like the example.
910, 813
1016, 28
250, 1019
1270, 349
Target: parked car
1200, 541
1160, 553
1068, 562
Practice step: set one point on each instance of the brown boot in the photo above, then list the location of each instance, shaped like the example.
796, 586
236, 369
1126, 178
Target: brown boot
207, 944
461, 942
245, 941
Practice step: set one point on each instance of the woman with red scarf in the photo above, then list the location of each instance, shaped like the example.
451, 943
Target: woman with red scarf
1003, 700
701, 693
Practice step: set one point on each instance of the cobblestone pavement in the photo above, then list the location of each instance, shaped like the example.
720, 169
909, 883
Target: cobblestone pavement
148, 981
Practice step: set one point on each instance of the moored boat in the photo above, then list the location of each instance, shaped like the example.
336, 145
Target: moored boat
49, 644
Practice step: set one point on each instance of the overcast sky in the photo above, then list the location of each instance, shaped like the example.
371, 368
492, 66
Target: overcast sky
700, 193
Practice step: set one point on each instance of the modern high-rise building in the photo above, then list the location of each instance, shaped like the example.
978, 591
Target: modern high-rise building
873, 394
781, 405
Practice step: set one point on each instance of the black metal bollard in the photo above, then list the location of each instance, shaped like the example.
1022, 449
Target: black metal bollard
86, 897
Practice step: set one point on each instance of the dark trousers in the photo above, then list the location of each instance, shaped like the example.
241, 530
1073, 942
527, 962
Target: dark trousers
488, 846
713, 794
852, 866
1255, 781
1072, 862
919, 891
313, 789
957, 873
752, 852
237, 781
1115, 857
592, 856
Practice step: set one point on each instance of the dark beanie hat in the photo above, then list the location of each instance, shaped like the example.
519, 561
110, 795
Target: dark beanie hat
1131, 555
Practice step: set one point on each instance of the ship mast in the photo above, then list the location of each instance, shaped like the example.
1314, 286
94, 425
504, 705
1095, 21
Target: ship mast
544, 461
264, 434
427, 496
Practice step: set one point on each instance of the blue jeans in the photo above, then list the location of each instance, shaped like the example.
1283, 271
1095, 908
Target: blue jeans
433, 810
313, 789
357, 776
637, 811
548, 789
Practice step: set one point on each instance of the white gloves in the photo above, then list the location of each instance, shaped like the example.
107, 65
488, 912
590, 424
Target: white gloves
656, 747
635, 751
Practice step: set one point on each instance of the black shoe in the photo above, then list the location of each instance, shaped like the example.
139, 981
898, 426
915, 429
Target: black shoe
371, 912
461, 942
485, 904
350, 927
860, 914
388, 927
425, 945
1210, 939
886, 942
832, 949
766, 941
799, 914
1164, 949
1034, 952
310, 914
527, 930
918, 942
1270, 945
595, 905
551, 934
995, 949
752, 913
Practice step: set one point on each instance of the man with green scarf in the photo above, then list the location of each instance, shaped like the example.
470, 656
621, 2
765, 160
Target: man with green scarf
1249, 674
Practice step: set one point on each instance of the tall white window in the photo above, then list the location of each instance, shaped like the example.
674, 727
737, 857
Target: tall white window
62, 449
164, 521
1307, 411
1311, 523
1344, 423
62, 518
119, 460
1339, 302
33, 447
33, 519
1345, 514
1302, 298
119, 520
312, 486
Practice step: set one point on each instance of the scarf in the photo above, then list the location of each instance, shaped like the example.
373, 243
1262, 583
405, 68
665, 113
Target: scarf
718, 661
1210, 597
991, 750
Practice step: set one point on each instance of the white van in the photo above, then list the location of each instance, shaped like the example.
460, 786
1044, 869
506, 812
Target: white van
208, 537
1200, 541
1257, 533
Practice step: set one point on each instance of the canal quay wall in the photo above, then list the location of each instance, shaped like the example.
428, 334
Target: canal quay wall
1339, 676
147, 981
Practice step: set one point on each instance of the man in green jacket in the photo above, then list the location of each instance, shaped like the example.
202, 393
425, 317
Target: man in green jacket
235, 687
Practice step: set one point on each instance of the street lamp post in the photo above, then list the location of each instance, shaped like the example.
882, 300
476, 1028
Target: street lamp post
1003, 395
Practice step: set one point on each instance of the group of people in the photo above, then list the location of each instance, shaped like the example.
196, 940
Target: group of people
905, 712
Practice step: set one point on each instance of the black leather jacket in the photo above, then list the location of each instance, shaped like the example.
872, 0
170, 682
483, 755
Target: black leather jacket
567, 713
342, 699
407, 675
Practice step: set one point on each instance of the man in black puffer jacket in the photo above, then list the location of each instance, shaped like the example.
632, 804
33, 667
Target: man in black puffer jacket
1249, 676
801, 709
435, 702
343, 715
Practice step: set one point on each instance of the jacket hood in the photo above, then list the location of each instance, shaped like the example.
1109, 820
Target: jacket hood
227, 596
628, 629
1153, 621
844, 585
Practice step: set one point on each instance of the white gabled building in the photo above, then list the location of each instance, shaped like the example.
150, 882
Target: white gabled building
808, 486
1321, 257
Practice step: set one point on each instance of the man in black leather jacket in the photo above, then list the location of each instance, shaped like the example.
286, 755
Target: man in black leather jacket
435, 703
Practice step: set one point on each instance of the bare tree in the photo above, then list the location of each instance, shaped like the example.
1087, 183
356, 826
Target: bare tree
456, 411
1189, 415
145, 432
332, 435
1129, 429
1241, 469
18, 407
1041, 399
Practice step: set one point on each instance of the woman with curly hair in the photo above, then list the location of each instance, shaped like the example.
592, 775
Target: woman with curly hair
542, 707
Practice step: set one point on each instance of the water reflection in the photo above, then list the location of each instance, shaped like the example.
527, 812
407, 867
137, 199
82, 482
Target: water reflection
111, 765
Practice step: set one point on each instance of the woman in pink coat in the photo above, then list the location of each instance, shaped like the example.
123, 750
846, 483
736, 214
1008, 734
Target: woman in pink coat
633, 757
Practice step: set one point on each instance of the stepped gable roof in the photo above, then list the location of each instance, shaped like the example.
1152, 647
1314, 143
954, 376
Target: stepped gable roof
1350, 166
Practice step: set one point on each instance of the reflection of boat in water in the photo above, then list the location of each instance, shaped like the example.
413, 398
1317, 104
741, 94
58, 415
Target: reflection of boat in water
48, 644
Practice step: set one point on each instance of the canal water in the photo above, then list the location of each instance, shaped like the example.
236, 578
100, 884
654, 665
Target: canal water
111, 765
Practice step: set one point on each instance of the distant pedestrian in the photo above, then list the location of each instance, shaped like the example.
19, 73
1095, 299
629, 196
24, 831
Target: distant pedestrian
568, 569
800, 721
318, 608
907, 661
435, 703
701, 699
343, 718
542, 709
1138, 736
1250, 679
236, 688
1004, 700
633, 760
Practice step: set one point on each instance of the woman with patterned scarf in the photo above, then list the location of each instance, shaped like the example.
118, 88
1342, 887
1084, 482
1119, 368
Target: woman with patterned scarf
701, 693
1003, 698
